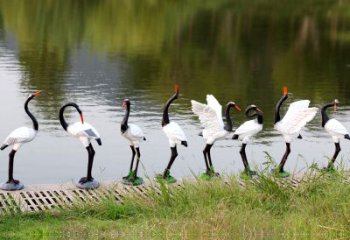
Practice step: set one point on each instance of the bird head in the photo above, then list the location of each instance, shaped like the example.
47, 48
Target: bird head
126, 103
252, 110
37, 93
233, 105
176, 88
336, 103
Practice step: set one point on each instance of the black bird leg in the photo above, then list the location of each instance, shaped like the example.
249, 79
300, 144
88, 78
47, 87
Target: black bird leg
11, 161
284, 159
244, 157
337, 150
132, 162
205, 151
137, 163
211, 168
91, 153
172, 159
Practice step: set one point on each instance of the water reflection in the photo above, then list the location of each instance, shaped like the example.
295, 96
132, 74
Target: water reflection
97, 53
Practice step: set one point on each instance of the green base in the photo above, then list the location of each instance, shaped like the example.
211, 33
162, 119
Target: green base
279, 174
168, 179
209, 175
247, 174
133, 182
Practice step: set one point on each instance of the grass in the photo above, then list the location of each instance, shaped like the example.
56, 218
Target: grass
264, 209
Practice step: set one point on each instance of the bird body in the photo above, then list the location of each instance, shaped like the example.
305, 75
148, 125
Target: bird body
247, 130
174, 133
295, 119
18, 137
336, 130
84, 132
134, 135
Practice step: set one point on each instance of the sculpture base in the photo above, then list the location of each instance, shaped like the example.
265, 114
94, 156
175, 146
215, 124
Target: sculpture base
89, 185
138, 181
11, 186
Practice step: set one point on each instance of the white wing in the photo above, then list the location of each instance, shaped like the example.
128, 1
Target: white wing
208, 117
20, 135
297, 116
174, 132
83, 130
212, 102
135, 131
248, 128
334, 127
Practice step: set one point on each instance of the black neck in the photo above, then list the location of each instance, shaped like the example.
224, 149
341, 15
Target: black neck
35, 122
278, 107
229, 122
124, 124
260, 118
61, 115
165, 119
325, 117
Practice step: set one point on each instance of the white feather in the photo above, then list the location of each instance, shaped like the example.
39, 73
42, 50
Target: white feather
210, 120
335, 129
297, 116
134, 134
174, 133
19, 136
247, 130
214, 104
84, 132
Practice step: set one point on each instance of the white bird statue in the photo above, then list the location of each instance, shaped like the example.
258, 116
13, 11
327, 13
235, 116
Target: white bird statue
175, 136
16, 139
210, 117
84, 132
246, 131
134, 135
335, 129
295, 119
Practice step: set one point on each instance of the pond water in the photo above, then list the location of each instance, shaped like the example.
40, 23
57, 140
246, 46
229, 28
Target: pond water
96, 53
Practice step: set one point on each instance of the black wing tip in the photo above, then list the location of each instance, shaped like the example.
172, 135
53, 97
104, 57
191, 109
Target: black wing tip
346, 136
99, 142
235, 136
184, 143
3, 147
144, 139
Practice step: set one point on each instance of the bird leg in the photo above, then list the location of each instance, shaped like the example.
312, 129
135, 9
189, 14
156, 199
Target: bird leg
11, 160
205, 151
89, 177
172, 159
245, 161
211, 167
284, 159
132, 162
137, 162
337, 150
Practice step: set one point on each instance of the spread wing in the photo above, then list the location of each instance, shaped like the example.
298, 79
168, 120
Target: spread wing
297, 116
212, 102
208, 117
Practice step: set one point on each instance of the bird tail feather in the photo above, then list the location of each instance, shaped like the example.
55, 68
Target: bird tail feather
3, 147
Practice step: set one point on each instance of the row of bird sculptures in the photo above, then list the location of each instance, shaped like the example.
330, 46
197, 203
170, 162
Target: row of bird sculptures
210, 115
